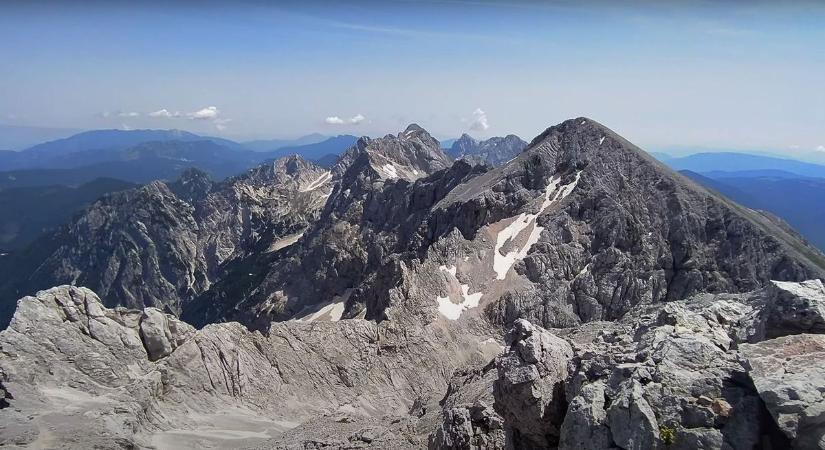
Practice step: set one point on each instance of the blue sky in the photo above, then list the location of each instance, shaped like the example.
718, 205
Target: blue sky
664, 74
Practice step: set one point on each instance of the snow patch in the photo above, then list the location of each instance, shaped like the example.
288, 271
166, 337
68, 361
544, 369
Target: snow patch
552, 195
452, 310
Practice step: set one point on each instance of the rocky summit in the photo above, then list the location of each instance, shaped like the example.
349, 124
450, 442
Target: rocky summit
578, 295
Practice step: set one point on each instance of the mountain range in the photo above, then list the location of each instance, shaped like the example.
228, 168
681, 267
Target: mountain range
579, 294
145, 155
737, 163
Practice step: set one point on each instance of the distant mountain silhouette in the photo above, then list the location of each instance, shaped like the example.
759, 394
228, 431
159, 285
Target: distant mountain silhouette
710, 162
334, 145
269, 145
95, 146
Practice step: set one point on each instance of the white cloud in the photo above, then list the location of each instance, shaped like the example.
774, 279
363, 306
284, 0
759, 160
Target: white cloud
820, 148
208, 113
125, 127
164, 113
479, 120
354, 120
128, 114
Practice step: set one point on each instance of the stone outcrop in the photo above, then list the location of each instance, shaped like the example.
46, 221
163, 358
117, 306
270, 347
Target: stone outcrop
696, 373
529, 391
789, 374
795, 308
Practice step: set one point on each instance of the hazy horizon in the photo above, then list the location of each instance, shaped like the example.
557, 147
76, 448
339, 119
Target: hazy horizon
742, 75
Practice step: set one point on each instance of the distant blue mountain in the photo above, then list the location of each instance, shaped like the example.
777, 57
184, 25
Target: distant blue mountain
742, 162
799, 201
327, 161
334, 145
141, 163
764, 173
448, 143
95, 146
269, 145
661, 156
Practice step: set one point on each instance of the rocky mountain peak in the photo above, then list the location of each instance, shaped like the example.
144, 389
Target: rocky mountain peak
409, 155
192, 185
494, 151
292, 167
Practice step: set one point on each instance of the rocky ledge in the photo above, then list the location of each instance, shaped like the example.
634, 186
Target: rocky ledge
710, 372
715, 371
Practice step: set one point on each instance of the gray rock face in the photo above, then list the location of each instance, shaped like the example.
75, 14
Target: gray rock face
585, 423
494, 151
675, 375
529, 391
477, 427
789, 373
795, 308
162, 333
631, 420
162, 245
74, 365
581, 226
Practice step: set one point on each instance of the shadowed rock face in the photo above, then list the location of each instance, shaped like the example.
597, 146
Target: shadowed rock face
640, 309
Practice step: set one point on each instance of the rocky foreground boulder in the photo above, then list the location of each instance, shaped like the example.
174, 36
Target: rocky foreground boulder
696, 373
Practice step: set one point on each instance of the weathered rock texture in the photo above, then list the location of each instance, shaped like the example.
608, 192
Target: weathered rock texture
494, 151
678, 375
143, 378
789, 373
162, 245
